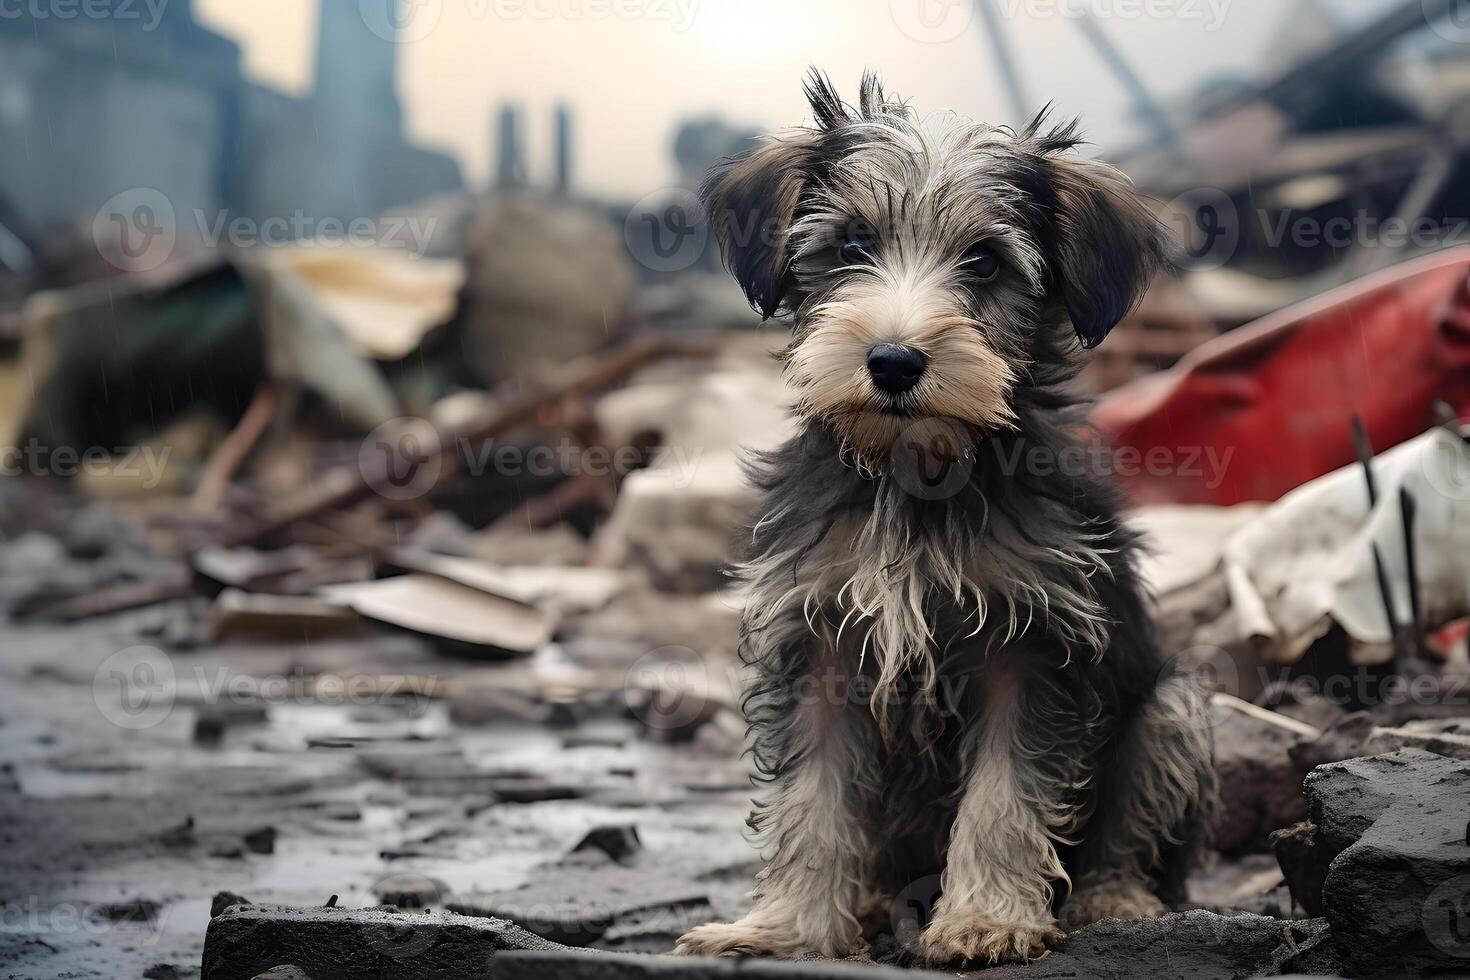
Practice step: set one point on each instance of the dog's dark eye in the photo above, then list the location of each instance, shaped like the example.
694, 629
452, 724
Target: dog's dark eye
983, 264
854, 251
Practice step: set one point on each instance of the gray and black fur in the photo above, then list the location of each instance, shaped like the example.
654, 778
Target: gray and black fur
955, 672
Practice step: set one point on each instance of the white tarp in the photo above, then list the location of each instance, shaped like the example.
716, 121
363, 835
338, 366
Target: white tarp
1307, 563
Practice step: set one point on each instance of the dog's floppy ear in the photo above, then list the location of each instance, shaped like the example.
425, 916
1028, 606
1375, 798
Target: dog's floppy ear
1106, 244
751, 202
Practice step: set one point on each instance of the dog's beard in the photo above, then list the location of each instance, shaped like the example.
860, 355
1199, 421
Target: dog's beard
964, 393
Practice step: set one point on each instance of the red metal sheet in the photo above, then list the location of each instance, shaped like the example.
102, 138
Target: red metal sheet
1266, 408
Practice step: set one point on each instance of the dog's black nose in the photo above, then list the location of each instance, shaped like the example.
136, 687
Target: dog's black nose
896, 369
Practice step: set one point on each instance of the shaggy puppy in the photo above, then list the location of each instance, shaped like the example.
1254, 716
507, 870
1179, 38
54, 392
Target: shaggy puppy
955, 674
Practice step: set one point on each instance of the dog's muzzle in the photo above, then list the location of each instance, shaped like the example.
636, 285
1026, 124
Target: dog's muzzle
896, 369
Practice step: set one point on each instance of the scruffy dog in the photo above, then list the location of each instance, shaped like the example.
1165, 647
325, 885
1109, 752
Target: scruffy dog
955, 674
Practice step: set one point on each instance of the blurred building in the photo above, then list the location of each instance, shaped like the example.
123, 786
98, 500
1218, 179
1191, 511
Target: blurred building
510, 151
110, 99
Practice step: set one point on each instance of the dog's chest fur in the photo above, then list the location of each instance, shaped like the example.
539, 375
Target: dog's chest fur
906, 586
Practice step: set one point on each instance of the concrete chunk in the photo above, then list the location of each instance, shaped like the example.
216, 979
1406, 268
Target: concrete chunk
357, 944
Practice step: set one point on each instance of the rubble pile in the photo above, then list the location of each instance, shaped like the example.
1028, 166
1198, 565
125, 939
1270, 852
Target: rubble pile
448, 685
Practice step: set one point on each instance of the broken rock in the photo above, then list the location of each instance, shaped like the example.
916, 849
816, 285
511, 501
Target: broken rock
618, 843
1260, 782
1393, 833
1194, 945
356, 944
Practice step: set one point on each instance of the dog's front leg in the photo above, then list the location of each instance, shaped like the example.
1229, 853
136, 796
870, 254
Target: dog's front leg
996, 890
808, 894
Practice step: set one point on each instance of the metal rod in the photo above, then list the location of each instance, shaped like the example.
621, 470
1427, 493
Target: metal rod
1409, 510
1021, 105
1153, 112
1364, 448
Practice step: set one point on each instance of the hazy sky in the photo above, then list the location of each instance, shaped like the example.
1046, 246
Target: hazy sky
631, 69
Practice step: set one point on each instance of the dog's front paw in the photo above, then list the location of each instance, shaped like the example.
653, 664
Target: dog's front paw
743, 938
979, 938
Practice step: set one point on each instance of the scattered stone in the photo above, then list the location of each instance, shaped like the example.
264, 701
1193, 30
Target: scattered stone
618, 843
582, 965
357, 944
1348, 738
211, 721
180, 835
224, 900
1301, 702
406, 890
261, 840
1392, 831
140, 911
228, 852
1260, 782
566, 904
1195, 945
282, 973
168, 971
655, 930
591, 741
533, 790
1303, 864
1250, 883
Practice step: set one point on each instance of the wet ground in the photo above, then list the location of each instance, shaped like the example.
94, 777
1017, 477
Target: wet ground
141, 777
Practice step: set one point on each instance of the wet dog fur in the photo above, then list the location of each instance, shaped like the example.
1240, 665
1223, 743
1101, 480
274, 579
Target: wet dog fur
955, 677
